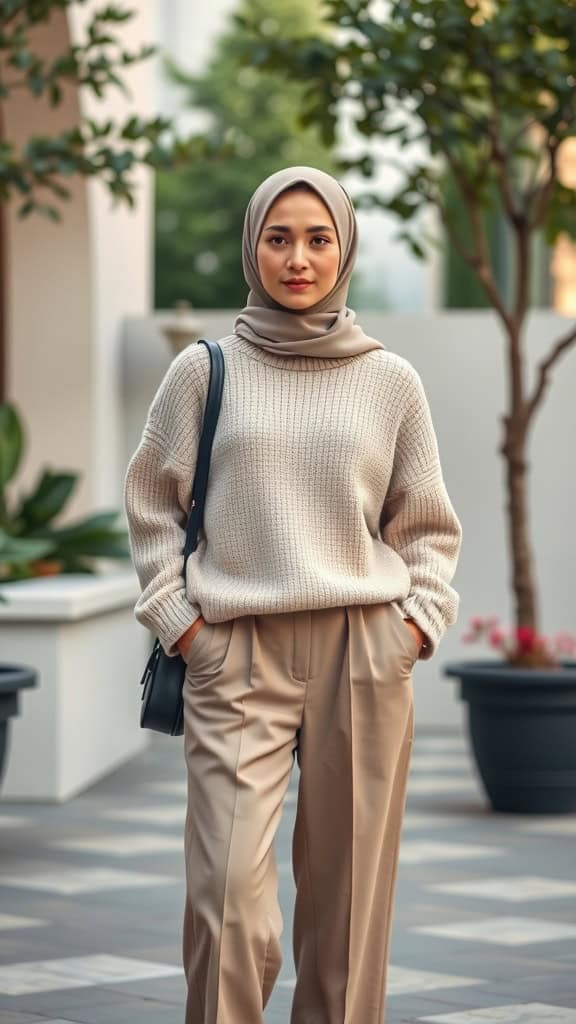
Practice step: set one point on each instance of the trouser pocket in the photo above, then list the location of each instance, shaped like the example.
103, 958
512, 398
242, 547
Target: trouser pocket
405, 635
208, 650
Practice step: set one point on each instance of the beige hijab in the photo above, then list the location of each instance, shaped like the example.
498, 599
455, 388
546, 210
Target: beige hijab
326, 329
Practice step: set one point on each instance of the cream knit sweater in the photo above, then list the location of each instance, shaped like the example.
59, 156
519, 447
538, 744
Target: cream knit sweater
325, 489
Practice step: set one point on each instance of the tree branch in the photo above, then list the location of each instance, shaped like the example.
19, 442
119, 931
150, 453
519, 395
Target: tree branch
500, 159
523, 264
500, 154
467, 256
480, 259
454, 108
544, 370
516, 215
541, 193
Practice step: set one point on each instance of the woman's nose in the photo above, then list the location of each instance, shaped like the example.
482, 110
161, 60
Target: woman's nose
297, 257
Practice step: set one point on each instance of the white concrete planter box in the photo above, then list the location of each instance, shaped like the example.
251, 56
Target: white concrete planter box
82, 719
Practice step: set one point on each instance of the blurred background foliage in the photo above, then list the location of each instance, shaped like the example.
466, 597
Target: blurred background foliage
253, 114
109, 150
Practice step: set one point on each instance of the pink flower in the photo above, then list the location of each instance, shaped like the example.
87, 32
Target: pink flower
520, 645
496, 638
526, 638
565, 643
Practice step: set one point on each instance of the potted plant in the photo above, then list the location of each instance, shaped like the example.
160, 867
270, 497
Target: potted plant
487, 90
31, 543
522, 717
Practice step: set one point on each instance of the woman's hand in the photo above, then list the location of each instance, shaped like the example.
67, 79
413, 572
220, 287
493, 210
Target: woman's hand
184, 643
417, 633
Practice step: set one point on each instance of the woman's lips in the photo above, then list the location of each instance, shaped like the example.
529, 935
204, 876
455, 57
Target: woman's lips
300, 286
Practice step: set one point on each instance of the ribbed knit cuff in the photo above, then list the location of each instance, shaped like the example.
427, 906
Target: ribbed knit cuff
413, 608
171, 617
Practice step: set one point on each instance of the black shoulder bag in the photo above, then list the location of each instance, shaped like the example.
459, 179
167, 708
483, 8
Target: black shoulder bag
162, 708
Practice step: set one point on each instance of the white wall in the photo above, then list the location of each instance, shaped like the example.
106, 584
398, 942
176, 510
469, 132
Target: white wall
460, 358
120, 243
69, 284
49, 298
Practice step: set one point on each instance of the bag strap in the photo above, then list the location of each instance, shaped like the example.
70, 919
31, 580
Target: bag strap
211, 413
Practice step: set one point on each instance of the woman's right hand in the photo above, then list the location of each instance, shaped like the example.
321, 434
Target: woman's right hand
184, 643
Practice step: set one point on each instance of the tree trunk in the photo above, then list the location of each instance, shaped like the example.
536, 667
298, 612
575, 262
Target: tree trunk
518, 530
514, 450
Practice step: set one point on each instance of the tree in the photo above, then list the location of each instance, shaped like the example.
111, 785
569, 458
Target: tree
253, 131
106, 150
487, 89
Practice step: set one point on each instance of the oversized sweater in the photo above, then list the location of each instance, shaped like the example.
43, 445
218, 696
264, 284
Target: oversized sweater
325, 489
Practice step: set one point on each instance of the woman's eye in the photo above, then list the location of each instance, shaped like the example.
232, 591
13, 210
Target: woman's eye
277, 241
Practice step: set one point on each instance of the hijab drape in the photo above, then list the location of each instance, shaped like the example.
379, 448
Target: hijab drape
328, 328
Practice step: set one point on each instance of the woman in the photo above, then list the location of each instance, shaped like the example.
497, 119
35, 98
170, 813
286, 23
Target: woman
323, 574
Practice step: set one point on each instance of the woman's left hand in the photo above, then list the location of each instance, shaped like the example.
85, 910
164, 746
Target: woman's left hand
417, 632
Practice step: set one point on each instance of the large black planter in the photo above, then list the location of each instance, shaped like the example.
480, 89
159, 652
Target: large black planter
12, 679
522, 725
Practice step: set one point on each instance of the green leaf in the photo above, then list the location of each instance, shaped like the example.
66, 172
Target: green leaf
93, 543
20, 551
121, 162
114, 13
26, 209
92, 537
22, 59
36, 84
11, 443
132, 129
415, 247
47, 500
116, 80
55, 93
561, 213
49, 211
97, 522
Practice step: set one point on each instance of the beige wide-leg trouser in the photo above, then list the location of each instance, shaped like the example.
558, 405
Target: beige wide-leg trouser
334, 687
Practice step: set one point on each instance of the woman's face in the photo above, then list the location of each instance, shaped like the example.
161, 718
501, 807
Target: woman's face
298, 252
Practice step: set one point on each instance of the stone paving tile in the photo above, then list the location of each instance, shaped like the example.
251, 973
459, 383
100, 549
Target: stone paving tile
8, 922
133, 1012
520, 889
70, 881
57, 974
119, 1011
508, 931
11, 821
519, 1013
7, 1017
558, 826
135, 816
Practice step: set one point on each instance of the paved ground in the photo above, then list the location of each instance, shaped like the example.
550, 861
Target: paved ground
91, 902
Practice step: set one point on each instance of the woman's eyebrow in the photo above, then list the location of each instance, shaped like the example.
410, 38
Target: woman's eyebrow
283, 228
